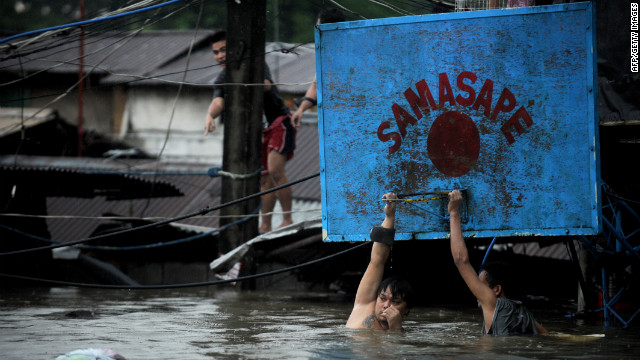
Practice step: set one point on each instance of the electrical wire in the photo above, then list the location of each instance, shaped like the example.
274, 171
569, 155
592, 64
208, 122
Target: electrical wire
244, 218
136, 77
86, 22
184, 82
146, 246
49, 33
163, 222
113, 17
173, 108
147, 218
84, 76
156, 78
68, 41
184, 75
187, 285
347, 10
391, 6
610, 193
74, 86
72, 61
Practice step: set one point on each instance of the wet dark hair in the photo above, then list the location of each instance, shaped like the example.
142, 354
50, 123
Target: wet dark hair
499, 273
399, 287
219, 36
330, 15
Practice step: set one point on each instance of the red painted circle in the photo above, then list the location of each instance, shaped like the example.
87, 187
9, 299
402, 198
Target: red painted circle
453, 143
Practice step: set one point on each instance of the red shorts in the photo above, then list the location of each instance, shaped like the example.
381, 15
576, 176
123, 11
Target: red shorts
279, 136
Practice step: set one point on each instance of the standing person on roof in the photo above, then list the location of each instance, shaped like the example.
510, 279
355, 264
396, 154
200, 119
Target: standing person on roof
381, 304
501, 316
310, 99
278, 139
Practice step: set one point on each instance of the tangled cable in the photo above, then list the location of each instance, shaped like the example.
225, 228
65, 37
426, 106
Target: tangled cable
174, 286
186, 285
163, 222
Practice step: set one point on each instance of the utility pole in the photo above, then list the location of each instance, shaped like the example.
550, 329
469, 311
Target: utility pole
81, 83
246, 21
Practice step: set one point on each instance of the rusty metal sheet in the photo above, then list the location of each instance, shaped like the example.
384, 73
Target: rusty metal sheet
498, 102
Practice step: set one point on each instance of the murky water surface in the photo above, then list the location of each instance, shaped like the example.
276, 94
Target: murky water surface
214, 324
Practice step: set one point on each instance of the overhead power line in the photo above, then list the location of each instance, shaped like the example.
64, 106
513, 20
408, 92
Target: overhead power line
163, 222
179, 286
87, 22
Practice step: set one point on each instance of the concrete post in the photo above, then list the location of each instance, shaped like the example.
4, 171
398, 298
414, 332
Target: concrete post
243, 119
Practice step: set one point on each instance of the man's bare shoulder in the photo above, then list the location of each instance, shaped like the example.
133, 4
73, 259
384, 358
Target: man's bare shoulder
362, 317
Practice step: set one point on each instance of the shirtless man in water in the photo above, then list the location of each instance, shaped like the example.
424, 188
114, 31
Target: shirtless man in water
381, 304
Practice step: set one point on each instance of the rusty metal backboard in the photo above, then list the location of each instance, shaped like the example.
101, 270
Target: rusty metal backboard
497, 102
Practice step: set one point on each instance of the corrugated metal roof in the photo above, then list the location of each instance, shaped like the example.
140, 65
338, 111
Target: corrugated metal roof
155, 58
305, 162
200, 191
30, 172
132, 53
292, 68
202, 70
557, 251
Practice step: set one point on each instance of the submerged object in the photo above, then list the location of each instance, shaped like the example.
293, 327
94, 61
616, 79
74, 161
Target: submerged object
91, 354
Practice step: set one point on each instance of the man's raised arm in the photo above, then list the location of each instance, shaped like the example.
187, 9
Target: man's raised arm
382, 237
482, 292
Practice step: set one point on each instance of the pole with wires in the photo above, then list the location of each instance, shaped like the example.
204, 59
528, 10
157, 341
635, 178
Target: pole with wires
246, 21
81, 82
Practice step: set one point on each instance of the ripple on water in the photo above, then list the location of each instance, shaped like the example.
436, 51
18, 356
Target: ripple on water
259, 325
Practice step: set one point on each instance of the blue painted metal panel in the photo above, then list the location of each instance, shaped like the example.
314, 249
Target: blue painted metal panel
498, 102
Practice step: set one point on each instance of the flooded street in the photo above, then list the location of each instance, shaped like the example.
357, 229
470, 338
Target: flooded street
215, 324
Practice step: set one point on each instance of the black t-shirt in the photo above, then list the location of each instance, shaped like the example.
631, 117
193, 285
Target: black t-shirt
274, 106
511, 318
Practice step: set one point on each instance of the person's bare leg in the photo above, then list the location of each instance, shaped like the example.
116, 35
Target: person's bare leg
276, 163
268, 203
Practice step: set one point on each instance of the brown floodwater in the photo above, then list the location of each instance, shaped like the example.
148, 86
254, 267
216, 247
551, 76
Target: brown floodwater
209, 323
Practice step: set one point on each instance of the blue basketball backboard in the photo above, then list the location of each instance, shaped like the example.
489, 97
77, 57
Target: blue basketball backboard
498, 102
